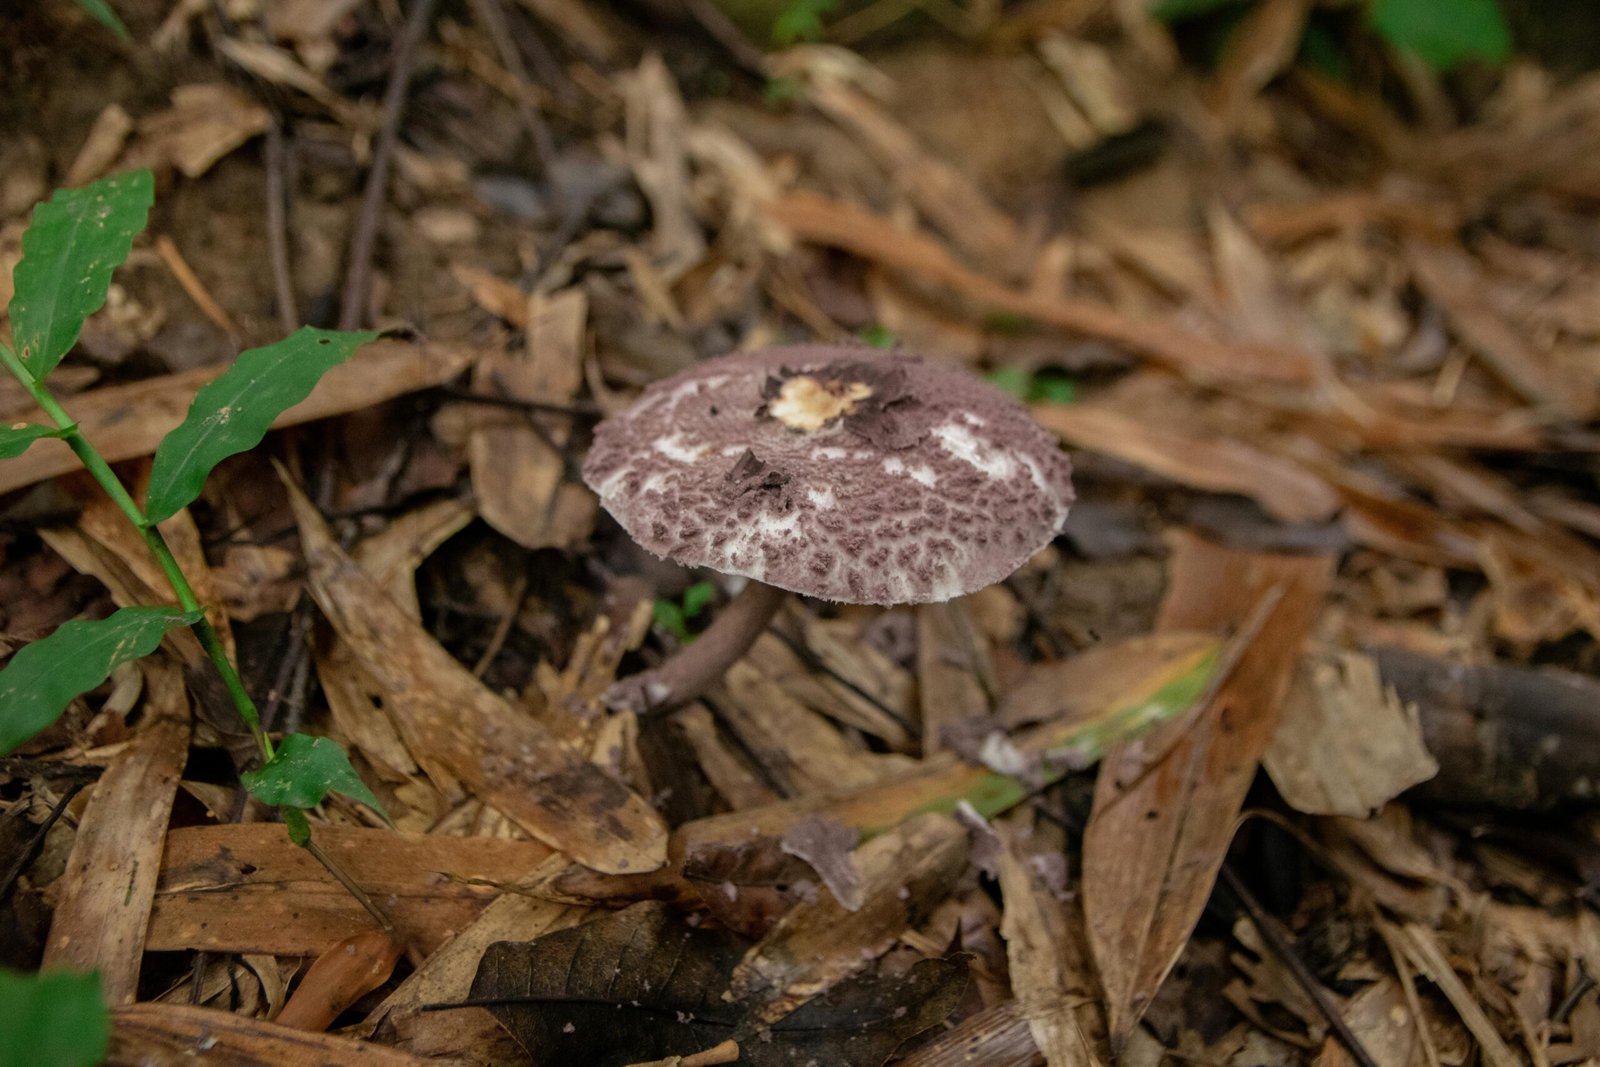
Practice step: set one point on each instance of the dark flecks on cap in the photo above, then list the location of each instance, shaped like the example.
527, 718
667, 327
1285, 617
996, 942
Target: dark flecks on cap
911, 481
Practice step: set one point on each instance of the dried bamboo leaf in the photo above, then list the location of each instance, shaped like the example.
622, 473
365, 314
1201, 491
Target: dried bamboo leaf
510, 760
1165, 804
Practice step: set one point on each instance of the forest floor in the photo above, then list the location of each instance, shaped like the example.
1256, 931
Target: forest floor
1325, 354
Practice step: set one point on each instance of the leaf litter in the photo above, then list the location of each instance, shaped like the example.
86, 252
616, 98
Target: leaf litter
1332, 356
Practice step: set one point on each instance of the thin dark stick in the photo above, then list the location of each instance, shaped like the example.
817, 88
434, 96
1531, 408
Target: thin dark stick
687, 673
722, 30
278, 229
333, 867
35, 844
1278, 940
498, 28
358, 279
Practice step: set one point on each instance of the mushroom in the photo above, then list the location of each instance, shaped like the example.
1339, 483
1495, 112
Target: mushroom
833, 471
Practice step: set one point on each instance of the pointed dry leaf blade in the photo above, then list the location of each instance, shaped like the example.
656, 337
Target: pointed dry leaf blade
43, 677
1165, 804
305, 769
14, 440
504, 756
233, 413
77, 238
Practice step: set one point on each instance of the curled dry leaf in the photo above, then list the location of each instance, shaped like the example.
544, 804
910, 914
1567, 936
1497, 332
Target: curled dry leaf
505, 757
338, 978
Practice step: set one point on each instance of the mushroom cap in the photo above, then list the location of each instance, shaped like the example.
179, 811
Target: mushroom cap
839, 472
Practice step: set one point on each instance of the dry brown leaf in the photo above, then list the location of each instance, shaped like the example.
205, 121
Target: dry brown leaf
110, 880
100, 147
843, 701
800, 750
508, 759
1218, 464
447, 974
338, 978
728, 773
1346, 744
1090, 681
1165, 804
519, 473
954, 676
903, 874
1257, 51
248, 888
1455, 282
204, 123
125, 421
1046, 945
144, 1034
954, 204
1422, 948
823, 221
656, 129
995, 1037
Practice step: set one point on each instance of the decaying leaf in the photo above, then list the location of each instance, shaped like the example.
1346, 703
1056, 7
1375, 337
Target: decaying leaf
1346, 745
1165, 804
512, 760
643, 983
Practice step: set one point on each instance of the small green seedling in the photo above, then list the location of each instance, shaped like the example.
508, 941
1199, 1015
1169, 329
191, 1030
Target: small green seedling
1046, 386
74, 242
101, 12
878, 336
52, 1019
801, 20
676, 617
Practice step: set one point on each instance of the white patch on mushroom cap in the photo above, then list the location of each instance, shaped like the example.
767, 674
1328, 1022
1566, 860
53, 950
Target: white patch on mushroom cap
962, 444
924, 475
673, 448
822, 499
830, 452
973, 420
894, 465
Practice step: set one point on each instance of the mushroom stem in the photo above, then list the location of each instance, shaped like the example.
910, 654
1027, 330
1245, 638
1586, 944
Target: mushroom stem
692, 669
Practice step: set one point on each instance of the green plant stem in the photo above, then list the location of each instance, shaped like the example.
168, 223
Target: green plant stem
102, 473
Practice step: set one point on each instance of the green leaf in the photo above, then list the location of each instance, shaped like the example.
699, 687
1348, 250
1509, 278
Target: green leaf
101, 12
697, 598
1013, 380
669, 617
77, 238
1443, 33
878, 336
801, 21
303, 771
43, 677
53, 1019
1047, 386
1173, 10
233, 413
14, 440
299, 827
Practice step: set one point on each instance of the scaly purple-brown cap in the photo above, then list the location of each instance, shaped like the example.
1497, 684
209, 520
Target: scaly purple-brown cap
834, 471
